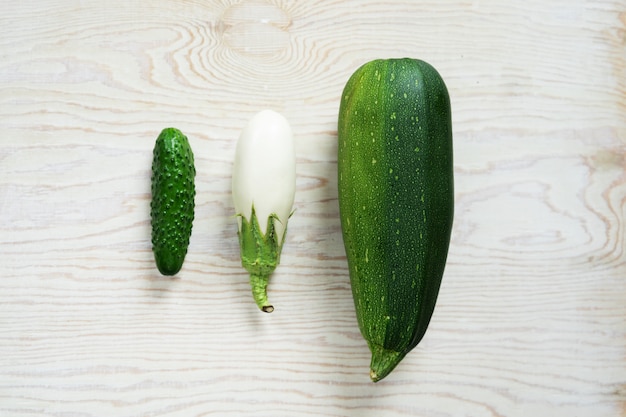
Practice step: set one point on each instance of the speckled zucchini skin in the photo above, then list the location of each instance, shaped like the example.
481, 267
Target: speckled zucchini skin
172, 206
396, 200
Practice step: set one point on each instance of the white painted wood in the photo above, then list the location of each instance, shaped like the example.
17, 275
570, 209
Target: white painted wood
531, 318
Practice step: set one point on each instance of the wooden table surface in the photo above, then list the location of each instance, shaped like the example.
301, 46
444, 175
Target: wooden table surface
531, 318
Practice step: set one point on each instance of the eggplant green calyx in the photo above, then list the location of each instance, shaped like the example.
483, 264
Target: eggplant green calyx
260, 255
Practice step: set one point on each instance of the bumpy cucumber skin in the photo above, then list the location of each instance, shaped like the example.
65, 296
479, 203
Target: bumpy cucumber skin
396, 200
172, 205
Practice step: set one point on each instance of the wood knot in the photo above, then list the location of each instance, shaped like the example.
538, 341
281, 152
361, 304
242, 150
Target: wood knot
256, 28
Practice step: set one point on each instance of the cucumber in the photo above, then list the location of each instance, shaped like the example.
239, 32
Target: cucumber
396, 200
172, 205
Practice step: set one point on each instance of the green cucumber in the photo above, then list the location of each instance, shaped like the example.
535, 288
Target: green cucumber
172, 205
396, 200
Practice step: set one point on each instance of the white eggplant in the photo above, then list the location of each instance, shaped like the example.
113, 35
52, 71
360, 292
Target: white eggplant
264, 183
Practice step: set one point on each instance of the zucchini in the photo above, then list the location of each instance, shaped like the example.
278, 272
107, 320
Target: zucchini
172, 205
396, 200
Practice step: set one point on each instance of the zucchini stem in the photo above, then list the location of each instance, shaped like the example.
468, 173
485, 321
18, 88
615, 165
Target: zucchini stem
383, 361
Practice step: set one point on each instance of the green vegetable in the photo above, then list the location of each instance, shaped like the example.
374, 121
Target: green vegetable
396, 200
172, 206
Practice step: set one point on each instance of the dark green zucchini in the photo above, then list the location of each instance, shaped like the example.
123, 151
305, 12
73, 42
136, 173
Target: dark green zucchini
396, 200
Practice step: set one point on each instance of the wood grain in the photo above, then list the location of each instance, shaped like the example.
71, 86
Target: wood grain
531, 318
